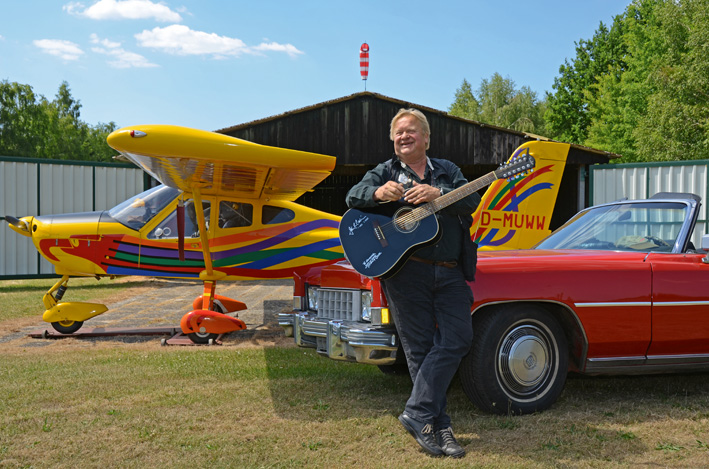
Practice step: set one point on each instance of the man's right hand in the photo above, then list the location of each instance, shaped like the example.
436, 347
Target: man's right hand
390, 191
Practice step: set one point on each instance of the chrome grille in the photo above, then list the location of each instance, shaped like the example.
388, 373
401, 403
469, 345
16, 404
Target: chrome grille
339, 304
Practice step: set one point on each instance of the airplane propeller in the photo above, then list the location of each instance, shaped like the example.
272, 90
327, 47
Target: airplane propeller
17, 223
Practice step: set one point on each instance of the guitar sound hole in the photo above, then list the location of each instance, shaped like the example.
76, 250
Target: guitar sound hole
403, 221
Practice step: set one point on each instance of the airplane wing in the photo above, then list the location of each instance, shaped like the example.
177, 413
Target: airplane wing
218, 164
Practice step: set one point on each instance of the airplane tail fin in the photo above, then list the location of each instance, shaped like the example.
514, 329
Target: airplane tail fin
516, 214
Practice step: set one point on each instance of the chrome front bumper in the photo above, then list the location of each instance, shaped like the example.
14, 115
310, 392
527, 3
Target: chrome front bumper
342, 340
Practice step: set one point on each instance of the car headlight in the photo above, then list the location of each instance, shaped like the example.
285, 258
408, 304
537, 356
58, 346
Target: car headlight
312, 298
366, 302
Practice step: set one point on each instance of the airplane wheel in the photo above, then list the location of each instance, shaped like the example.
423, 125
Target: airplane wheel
202, 337
206, 337
67, 327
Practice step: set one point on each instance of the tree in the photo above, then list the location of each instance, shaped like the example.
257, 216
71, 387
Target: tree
619, 98
465, 104
500, 103
22, 118
31, 126
567, 113
640, 88
676, 124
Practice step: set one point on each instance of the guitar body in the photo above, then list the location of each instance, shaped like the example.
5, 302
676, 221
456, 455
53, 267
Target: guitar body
377, 246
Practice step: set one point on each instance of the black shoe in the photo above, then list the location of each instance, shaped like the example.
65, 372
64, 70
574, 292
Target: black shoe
422, 433
448, 443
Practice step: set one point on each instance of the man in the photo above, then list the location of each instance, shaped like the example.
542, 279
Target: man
429, 298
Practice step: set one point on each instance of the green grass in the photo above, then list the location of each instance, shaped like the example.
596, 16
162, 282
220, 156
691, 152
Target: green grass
77, 403
85, 404
23, 298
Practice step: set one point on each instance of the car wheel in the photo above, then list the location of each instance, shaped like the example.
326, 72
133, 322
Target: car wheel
67, 327
518, 362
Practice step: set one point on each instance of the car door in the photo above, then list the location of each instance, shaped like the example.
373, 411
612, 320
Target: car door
680, 305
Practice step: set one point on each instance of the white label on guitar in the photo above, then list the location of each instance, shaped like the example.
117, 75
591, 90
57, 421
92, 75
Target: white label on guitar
370, 260
358, 223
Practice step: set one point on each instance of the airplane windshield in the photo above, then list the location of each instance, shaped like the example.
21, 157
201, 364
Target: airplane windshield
140, 209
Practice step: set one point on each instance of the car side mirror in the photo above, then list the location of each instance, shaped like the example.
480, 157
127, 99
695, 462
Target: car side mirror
705, 247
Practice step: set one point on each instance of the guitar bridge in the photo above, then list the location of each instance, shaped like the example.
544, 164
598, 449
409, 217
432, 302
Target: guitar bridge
380, 234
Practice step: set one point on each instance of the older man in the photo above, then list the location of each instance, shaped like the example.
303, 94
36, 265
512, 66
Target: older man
429, 298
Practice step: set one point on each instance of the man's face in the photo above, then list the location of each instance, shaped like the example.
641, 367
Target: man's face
409, 140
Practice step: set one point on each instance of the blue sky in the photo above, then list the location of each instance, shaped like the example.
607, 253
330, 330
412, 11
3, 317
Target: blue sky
213, 64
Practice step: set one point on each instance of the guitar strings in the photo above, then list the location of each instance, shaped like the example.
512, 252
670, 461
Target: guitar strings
419, 213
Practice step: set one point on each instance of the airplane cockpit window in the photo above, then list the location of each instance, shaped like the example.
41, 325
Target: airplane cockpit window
271, 215
140, 209
235, 214
167, 229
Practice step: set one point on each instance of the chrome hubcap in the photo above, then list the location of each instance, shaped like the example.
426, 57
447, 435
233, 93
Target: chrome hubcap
524, 360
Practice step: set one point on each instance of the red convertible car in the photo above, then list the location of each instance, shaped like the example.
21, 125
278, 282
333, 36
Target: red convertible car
615, 290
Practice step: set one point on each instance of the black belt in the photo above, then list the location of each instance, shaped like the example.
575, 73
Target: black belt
449, 264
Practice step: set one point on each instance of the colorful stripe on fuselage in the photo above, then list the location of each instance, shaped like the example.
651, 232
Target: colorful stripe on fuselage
269, 252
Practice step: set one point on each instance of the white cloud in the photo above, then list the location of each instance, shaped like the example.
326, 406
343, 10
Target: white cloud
181, 40
124, 9
119, 57
66, 50
274, 46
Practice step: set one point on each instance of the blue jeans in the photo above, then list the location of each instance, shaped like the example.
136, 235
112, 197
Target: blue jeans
431, 307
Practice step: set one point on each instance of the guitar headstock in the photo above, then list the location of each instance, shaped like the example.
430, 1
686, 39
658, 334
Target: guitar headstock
518, 165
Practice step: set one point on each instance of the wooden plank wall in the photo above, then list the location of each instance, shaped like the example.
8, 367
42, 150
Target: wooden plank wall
355, 129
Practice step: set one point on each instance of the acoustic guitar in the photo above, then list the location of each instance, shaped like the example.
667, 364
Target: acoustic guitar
378, 245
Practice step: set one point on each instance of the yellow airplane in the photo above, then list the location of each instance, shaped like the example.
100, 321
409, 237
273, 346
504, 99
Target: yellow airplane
225, 211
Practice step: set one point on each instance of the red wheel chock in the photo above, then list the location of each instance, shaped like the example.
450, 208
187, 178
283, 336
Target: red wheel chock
202, 320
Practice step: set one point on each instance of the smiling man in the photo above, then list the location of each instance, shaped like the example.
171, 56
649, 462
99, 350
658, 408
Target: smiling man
428, 296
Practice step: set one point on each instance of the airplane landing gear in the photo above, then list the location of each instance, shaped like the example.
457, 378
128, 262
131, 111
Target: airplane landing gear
208, 320
68, 317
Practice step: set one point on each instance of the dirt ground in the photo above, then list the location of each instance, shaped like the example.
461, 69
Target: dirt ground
160, 304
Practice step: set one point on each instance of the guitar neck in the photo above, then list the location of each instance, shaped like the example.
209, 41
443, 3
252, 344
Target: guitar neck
453, 196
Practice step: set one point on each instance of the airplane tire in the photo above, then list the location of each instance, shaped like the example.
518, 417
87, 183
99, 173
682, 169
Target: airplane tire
67, 327
202, 338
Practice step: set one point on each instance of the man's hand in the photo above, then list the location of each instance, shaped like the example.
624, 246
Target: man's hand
421, 193
389, 192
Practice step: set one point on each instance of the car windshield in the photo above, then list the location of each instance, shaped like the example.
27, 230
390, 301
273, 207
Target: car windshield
140, 209
646, 226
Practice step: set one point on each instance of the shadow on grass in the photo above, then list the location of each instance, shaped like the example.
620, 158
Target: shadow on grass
321, 389
596, 419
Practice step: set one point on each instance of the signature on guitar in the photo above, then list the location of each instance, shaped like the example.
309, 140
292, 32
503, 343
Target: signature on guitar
370, 260
357, 224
